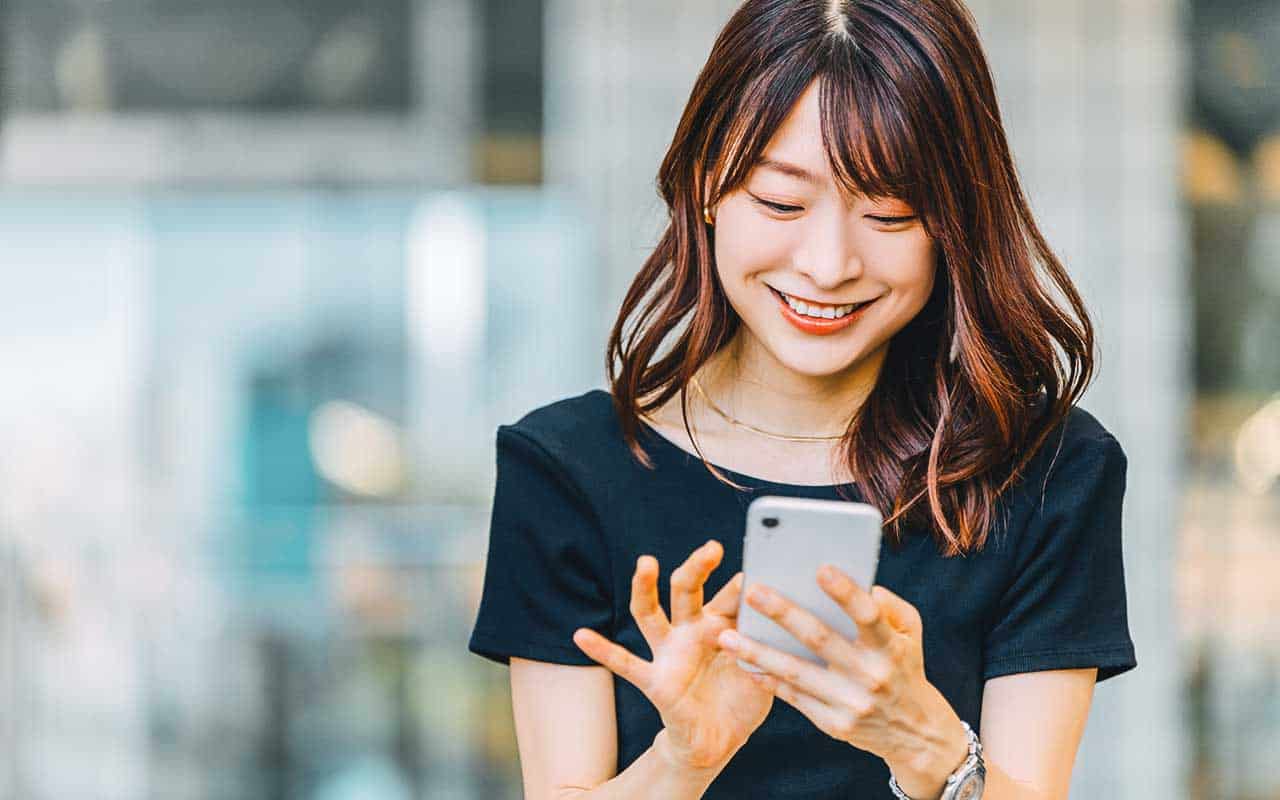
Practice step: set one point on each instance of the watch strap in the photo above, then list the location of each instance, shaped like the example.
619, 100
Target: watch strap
972, 763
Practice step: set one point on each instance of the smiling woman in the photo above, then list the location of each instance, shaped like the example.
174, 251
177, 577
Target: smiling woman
855, 303
792, 229
844, 166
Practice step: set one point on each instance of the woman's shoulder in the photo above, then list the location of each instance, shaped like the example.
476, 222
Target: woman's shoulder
1079, 437
1078, 450
567, 419
571, 430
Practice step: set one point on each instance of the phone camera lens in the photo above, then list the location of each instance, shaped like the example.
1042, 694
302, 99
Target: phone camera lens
769, 522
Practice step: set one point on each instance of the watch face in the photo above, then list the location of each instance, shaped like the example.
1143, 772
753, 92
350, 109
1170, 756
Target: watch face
970, 787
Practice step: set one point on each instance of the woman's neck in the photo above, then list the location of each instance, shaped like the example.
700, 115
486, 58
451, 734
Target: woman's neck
749, 384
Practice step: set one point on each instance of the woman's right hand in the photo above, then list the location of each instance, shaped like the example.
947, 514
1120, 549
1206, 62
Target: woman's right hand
709, 705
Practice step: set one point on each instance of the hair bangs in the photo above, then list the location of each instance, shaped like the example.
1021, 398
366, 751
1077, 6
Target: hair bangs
763, 108
868, 142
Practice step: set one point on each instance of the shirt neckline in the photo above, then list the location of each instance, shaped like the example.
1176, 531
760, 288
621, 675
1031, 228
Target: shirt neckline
740, 477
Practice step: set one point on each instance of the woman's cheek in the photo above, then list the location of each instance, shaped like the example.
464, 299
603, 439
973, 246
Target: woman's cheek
915, 264
752, 250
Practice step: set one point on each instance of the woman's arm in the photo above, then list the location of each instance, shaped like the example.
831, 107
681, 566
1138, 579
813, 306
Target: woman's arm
565, 728
1032, 724
872, 693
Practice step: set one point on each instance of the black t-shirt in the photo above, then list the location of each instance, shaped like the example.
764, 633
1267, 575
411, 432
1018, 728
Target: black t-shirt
573, 510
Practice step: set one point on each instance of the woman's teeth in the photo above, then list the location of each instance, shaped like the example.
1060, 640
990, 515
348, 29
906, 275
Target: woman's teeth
822, 312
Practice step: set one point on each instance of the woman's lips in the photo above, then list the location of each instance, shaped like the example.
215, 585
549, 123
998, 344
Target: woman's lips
815, 325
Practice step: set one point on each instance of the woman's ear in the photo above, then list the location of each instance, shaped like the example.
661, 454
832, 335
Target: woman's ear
708, 211
706, 190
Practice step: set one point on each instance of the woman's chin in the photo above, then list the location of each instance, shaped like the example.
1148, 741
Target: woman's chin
822, 358
818, 362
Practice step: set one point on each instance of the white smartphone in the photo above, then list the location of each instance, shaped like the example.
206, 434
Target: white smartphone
787, 540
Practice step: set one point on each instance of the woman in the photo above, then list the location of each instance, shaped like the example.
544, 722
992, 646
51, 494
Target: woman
853, 291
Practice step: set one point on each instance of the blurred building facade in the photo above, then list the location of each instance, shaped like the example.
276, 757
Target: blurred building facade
274, 271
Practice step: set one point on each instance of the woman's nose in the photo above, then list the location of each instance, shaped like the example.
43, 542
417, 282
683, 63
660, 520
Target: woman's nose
831, 258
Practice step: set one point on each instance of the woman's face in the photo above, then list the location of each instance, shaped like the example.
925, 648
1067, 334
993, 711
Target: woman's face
820, 251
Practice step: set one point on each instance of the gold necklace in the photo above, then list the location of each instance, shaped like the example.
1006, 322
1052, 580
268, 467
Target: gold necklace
752, 428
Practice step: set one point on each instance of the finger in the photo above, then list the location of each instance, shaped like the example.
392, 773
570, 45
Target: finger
902, 615
810, 678
861, 607
687, 581
763, 679
616, 658
645, 608
827, 718
725, 603
812, 632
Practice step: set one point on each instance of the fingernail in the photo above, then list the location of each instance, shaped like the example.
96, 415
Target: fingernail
729, 639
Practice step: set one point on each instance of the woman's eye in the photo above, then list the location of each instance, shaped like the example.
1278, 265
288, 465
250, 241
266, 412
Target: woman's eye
786, 209
780, 208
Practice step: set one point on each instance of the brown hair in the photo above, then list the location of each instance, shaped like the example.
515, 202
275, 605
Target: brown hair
908, 111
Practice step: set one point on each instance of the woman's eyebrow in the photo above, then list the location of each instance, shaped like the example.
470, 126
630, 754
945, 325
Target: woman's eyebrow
790, 170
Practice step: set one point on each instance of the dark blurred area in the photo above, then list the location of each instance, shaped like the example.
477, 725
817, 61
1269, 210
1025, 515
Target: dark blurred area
264, 55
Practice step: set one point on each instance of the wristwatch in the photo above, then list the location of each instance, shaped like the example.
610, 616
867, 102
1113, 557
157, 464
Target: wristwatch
967, 782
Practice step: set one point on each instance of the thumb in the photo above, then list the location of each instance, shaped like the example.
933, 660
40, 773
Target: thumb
902, 615
725, 603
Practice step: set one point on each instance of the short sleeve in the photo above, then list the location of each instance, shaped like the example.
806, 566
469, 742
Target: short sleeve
1065, 607
547, 569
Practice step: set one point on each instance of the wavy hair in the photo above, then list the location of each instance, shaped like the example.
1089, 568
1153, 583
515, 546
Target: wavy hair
908, 111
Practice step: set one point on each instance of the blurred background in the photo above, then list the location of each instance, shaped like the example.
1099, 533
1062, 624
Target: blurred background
274, 270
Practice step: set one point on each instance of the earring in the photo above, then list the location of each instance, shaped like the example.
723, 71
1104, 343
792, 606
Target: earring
955, 346
706, 214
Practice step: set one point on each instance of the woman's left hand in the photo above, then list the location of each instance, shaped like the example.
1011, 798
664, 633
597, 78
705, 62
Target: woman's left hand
873, 692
